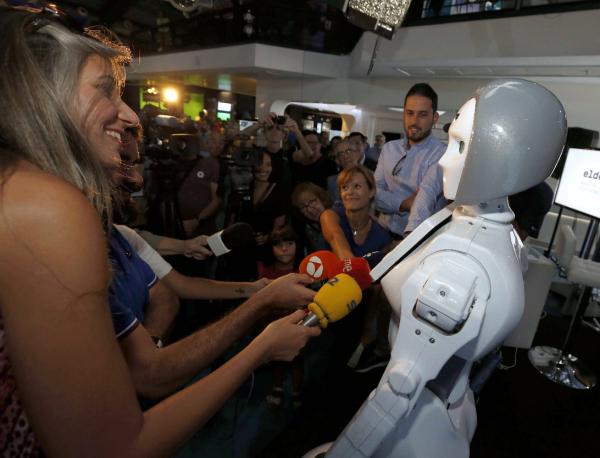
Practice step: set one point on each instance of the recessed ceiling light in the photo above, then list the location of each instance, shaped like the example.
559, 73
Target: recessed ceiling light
439, 112
339, 108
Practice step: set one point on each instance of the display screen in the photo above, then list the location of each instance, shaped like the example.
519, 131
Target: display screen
579, 185
223, 106
223, 116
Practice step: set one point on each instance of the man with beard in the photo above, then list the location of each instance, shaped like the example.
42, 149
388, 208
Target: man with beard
408, 178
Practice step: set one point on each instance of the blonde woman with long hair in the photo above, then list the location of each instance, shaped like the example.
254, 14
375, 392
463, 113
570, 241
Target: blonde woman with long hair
65, 389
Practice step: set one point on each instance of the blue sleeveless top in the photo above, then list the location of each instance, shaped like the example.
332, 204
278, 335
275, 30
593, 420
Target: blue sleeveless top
377, 239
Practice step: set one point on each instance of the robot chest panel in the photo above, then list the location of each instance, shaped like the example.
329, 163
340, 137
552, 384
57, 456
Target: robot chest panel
464, 257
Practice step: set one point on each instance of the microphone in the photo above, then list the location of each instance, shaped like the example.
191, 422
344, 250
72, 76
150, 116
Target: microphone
235, 236
358, 269
320, 265
336, 299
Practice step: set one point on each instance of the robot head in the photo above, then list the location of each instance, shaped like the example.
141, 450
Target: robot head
505, 139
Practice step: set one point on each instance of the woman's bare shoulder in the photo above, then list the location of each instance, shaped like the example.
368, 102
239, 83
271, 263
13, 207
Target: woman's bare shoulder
30, 195
328, 216
45, 221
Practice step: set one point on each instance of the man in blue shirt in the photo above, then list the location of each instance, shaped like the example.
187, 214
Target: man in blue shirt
408, 177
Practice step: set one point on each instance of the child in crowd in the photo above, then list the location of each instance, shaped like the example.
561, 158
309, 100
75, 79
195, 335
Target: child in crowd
285, 256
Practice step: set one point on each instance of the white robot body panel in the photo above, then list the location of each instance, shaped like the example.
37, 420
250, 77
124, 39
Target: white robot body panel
452, 430
493, 246
459, 294
433, 427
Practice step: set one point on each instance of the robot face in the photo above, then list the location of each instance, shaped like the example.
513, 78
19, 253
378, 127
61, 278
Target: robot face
507, 138
459, 139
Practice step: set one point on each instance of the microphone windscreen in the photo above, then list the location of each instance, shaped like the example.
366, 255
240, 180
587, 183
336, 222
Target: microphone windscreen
238, 235
358, 269
319, 265
338, 297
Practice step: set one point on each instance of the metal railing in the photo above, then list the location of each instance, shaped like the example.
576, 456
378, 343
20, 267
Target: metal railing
424, 12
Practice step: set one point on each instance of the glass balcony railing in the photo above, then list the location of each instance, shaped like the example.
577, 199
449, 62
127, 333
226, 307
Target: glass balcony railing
435, 11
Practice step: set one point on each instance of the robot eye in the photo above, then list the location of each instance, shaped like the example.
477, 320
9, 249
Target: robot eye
461, 147
456, 116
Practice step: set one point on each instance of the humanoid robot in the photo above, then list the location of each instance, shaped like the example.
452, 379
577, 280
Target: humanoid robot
458, 291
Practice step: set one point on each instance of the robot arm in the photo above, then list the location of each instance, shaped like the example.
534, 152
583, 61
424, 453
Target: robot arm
445, 299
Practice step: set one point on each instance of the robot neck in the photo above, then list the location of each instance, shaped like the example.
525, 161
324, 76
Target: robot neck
496, 210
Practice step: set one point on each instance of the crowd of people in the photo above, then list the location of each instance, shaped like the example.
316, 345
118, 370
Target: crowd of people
88, 305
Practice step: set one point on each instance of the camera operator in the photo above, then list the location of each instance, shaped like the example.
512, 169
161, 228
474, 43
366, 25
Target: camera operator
276, 129
314, 168
182, 183
306, 161
197, 197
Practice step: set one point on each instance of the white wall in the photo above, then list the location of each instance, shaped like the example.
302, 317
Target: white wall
581, 97
542, 38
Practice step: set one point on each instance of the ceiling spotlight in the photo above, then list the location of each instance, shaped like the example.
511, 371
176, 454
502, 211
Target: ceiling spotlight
170, 94
248, 29
248, 17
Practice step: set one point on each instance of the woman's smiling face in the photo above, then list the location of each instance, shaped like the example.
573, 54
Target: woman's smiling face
100, 113
355, 192
310, 206
262, 171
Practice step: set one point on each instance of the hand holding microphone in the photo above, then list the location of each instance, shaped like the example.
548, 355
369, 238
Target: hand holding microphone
338, 297
197, 248
287, 292
283, 339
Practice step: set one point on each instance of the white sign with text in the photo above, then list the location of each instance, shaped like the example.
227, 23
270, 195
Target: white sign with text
579, 186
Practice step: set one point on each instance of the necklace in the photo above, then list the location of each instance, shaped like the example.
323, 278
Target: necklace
356, 230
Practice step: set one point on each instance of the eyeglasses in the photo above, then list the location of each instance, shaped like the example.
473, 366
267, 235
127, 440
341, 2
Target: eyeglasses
308, 204
48, 13
398, 166
345, 152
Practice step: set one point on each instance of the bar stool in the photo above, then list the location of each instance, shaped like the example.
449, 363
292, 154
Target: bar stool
559, 365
